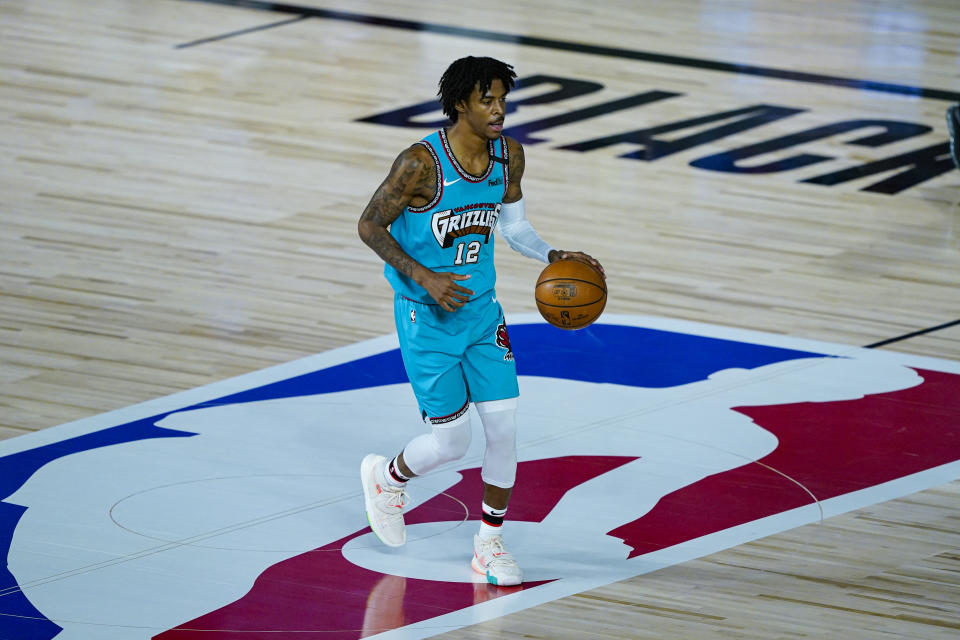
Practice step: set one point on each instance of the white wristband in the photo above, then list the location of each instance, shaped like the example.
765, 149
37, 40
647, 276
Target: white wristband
519, 233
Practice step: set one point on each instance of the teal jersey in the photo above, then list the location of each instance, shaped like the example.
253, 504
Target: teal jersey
454, 232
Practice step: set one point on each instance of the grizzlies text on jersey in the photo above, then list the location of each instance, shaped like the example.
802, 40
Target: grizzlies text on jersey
454, 232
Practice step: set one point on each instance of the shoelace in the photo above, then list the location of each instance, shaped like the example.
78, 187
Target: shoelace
496, 554
394, 502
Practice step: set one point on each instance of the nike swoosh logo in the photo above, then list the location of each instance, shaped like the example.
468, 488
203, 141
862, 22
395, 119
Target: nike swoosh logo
447, 184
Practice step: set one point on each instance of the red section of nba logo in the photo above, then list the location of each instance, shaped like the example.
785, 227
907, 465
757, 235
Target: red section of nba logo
831, 448
320, 594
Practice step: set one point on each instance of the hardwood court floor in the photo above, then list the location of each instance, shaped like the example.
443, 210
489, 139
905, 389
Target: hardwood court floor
173, 216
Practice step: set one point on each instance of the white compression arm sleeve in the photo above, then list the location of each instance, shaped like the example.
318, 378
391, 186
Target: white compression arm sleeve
518, 232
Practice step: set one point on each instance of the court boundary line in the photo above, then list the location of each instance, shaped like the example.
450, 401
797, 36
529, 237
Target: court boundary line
598, 50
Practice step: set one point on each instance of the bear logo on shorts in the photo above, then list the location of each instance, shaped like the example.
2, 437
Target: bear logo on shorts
503, 341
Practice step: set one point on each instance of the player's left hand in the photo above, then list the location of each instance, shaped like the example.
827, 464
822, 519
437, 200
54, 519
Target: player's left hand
561, 254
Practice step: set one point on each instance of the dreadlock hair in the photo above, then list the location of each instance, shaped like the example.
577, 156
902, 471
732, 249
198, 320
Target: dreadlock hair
460, 78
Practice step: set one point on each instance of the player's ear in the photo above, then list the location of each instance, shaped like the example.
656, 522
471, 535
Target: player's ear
461, 105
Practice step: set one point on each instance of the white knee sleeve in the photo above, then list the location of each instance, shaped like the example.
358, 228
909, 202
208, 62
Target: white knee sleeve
499, 419
445, 443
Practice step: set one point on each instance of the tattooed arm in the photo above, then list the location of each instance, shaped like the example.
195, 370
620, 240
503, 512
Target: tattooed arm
515, 167
412, 179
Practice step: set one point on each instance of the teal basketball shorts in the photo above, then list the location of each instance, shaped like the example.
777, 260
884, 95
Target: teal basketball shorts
455, 358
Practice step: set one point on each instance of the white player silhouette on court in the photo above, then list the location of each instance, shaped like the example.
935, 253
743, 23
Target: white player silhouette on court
197, 519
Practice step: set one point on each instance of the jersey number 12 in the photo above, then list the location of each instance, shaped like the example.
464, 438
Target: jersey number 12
473, 253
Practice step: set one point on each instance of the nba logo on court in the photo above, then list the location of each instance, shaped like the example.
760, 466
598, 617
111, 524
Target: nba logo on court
235, 508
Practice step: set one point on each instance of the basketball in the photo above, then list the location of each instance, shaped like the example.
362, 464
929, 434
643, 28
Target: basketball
570, 294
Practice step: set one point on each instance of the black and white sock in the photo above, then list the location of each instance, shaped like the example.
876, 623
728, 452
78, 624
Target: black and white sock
492, 522
392, 475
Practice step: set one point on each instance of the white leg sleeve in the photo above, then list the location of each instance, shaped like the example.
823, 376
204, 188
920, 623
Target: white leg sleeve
499, 419
445, 443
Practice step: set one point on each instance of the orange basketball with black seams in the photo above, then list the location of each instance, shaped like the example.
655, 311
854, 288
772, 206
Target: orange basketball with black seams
570, 294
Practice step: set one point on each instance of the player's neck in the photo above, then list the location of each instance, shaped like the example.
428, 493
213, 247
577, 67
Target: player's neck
471, 149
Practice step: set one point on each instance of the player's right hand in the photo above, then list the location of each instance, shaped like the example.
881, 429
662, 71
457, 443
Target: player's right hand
443, 288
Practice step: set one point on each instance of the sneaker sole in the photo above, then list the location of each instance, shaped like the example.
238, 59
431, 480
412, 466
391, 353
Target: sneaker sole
492, 579
366, 470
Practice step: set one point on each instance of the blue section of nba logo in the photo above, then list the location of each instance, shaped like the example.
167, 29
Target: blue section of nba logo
635, 356
372, 371
617, 354
20, 618
602, 353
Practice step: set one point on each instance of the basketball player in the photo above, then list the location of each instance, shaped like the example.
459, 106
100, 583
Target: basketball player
432, 222
953, 124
